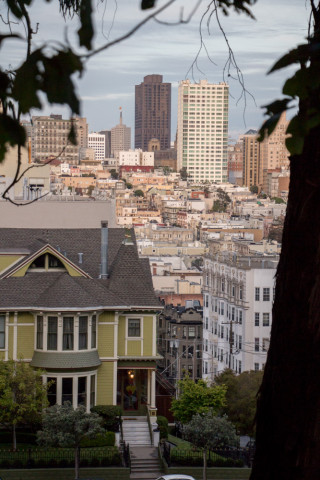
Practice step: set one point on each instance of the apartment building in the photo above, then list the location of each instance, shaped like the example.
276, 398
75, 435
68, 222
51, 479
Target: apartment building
50, 138
202, 139
237, 308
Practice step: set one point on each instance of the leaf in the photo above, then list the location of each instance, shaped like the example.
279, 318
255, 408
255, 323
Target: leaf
86, 30
11, 133
145, 4
295, 145
274, 110
301, 54
72, 136
28, 82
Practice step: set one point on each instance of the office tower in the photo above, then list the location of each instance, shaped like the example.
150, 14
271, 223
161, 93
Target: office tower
50, 138
120, 137
96, 141
152, 112
203, 130
107, 148
252, 165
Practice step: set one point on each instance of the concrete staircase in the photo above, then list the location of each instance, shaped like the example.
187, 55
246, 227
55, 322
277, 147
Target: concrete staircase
145, 463
136, 431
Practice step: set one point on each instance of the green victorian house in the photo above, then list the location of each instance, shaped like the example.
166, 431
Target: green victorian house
79, 304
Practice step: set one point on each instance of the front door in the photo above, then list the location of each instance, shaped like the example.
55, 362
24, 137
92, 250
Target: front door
132, 392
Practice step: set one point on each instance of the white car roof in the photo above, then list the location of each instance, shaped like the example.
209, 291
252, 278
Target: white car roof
176, 476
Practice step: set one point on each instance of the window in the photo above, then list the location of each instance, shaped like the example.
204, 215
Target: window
82, 391
257, 319
266, 320
265, 344
40, 332
222, 308
52, 391
256, 344
52, 333
239, 366
94, 332
184, 332
215, 328
240, 317
66, 390
256, 366
67, 341
206, 300
134, 327
222, 331
257, 294
83, 333
240, 292
192, 331
240, 342
222, 284
2, 330
266, 294
207, 323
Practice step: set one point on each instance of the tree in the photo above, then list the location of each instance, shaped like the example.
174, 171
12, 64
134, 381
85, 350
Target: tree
241, 398
197, 397
254, 189
184, 174
138, 193
209, 432
278, 200
90, 190
64, 426
222, 202
22, 395
287, 431
114, 174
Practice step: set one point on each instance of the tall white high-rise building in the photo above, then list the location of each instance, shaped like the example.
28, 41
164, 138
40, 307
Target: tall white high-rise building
96, 141
202, 140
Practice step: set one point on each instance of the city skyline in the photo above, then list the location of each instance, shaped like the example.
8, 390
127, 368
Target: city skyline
110, 77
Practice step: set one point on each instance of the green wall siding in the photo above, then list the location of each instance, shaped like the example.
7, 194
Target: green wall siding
7, 260
134, 348
147, 335
105, 384
106, 340
121, 335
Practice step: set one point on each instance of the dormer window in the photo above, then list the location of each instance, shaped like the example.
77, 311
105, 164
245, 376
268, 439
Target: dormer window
46, 262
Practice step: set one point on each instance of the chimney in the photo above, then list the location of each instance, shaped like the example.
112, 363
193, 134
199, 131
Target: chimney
104, 249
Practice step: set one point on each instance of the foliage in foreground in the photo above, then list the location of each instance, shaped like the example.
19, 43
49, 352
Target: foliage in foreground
22, 395
63, 426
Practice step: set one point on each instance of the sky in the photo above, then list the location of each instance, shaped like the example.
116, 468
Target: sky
109, 80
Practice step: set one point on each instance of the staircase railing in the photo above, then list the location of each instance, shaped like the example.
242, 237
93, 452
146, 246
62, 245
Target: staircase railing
125, 449
150, 427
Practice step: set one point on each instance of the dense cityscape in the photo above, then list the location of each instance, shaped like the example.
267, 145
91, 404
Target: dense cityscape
159, 260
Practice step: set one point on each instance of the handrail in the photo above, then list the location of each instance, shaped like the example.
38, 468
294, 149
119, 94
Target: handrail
149, 425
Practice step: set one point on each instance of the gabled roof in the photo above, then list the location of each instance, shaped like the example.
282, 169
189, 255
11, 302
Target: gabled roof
129, 283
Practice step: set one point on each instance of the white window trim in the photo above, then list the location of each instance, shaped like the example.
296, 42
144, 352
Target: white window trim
60, 331
75, 376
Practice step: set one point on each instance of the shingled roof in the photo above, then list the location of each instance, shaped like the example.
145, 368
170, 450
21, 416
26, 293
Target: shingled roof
129, 283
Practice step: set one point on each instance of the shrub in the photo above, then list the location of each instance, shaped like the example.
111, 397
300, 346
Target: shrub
102, 440
111, 415
84, 462
5, 464
94, 462
163, 426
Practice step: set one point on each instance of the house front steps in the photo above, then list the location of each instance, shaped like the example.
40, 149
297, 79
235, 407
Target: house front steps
136, 431
145, 464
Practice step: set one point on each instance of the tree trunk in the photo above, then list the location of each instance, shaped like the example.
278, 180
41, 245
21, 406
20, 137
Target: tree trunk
14, 438
76, 462
288, 414
204, 476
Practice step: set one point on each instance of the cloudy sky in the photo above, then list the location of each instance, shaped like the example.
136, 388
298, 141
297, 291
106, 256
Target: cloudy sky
110, 77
